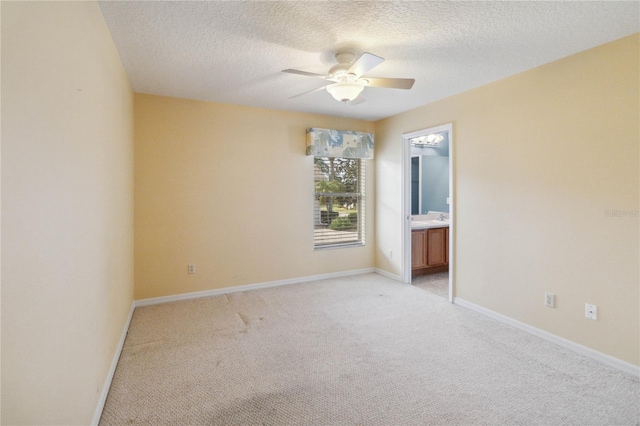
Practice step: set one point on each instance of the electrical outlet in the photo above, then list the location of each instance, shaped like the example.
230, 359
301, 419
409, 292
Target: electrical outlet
591, 311
550, 300
191, 269
390, 254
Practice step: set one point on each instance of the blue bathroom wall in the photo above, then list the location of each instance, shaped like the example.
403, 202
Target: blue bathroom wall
435, 183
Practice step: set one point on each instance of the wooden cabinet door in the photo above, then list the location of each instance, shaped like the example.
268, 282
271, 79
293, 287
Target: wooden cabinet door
436, 247
418, 253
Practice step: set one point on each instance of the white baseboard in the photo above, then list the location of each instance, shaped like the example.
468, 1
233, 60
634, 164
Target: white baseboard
241, 288
388, 274
613, 362
114, 363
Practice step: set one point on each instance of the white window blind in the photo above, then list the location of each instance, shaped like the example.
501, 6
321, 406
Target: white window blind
338, 202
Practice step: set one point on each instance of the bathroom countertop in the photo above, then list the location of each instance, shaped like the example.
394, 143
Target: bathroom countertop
430, 220
427, 224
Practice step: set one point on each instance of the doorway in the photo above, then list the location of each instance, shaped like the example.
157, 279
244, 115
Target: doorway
424, 199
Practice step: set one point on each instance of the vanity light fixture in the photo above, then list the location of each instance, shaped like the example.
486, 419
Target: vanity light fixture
428, 141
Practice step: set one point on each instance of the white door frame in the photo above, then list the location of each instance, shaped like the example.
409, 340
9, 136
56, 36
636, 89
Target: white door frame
406, 203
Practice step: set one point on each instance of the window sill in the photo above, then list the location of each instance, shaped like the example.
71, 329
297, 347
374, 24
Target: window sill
338, 246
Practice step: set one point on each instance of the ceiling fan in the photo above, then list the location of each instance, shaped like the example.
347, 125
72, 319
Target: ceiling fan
345, 81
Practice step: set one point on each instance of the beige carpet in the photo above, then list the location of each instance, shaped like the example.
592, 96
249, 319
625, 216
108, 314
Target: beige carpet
437, 284
363, 350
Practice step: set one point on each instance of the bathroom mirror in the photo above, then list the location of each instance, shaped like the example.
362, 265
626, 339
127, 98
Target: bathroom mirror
430, 173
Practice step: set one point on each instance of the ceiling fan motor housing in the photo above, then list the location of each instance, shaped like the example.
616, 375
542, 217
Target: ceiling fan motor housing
345, 60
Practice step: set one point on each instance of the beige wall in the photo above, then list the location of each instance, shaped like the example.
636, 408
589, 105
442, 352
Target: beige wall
229, 189
67, 210
540, 158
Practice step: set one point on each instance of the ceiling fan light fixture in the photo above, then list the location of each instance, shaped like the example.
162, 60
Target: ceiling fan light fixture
345, 92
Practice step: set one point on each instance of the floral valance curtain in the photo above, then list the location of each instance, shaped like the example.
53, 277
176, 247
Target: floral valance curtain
339, 143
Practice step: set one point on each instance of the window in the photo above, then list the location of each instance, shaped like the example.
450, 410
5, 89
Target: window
338, 202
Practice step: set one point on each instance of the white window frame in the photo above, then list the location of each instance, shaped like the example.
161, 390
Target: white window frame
361, 223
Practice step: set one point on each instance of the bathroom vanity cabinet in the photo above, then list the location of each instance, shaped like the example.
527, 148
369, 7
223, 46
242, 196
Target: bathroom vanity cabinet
429, 250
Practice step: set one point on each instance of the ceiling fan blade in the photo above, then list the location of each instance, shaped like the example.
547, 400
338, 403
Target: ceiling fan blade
357, 101
391, 83
311, 91
365, 62
310, 74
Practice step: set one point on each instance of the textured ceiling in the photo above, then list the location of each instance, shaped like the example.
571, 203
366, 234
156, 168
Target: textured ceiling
233, 52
